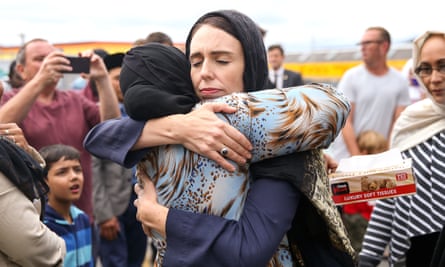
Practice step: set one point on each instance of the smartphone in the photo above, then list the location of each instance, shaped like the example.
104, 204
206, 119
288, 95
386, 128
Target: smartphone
79, 64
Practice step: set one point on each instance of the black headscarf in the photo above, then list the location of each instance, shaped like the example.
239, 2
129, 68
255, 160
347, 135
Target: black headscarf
22, 170
155, 80
247, 32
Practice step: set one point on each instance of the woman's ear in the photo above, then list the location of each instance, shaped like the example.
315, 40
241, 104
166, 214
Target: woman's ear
20, 70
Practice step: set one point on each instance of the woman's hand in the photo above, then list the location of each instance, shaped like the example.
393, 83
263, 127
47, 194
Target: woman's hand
330, 163
150, 213
200, 131
15, 134
204, 133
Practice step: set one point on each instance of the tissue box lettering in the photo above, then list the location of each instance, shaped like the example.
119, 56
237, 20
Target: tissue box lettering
371, 184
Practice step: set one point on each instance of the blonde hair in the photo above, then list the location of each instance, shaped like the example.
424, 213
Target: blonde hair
371, 142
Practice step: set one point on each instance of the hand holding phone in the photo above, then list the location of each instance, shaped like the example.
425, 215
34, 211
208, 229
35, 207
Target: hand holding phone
79, 64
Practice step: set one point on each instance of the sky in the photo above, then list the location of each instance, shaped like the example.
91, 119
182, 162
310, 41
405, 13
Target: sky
297, 25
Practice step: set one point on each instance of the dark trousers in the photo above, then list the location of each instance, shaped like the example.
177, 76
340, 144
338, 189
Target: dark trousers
421, 251
129, 249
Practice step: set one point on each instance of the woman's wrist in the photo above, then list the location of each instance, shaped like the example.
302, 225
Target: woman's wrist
157, 218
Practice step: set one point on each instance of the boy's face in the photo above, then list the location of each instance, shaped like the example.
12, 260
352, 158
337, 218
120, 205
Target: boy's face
65, 180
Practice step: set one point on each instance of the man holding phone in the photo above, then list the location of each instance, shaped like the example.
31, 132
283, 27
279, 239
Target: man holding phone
49, 116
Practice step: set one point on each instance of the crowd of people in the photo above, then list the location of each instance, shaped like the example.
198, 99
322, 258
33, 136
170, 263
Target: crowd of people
216, 155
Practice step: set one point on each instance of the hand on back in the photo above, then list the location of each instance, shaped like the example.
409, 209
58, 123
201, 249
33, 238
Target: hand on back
204, 133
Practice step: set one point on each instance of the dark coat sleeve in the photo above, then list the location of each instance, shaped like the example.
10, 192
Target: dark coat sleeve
203, 240
113, 140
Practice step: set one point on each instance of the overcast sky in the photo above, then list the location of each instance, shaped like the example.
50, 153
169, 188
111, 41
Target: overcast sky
297, 25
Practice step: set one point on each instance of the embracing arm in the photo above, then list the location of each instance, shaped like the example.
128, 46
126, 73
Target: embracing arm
113, 140
283, 121
200, 131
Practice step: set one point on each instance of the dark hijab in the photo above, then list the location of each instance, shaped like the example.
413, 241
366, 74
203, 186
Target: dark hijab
247, 32
155, 80
23, 171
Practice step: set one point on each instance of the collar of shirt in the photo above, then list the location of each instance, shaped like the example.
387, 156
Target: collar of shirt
279, 73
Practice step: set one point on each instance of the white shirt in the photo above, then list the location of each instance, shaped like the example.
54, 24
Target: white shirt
278, 75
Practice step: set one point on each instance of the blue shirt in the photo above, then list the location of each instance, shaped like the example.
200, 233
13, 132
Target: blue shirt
77, 236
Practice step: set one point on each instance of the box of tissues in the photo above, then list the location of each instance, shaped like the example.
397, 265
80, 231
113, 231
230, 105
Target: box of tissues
370, 177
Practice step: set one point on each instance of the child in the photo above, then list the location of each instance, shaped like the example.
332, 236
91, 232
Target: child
356, 215
64, 176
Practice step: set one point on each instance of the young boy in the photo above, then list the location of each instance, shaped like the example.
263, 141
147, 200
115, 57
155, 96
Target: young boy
64, 176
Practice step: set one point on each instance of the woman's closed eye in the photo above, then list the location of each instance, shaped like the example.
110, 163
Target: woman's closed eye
196, 63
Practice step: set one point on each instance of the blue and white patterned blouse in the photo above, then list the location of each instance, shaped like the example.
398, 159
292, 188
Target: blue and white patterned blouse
277, 122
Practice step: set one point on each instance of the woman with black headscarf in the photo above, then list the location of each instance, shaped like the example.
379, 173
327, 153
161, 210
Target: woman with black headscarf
211, 242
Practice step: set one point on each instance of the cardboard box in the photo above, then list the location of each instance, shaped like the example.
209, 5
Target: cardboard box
358, 186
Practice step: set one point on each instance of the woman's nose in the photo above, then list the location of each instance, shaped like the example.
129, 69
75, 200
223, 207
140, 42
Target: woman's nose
206, 70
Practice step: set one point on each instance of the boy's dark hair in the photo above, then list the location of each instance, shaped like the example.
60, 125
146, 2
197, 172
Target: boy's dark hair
54, 153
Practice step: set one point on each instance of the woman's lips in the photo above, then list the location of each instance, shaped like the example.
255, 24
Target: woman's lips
209, 91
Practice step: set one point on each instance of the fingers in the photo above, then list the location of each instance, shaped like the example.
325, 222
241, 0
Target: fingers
231, 145
221, 161
219, 107
239, 146
97, 66
137, 188
145, 193
237, 143
330, 163
210, 134
13, 133
53, 67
